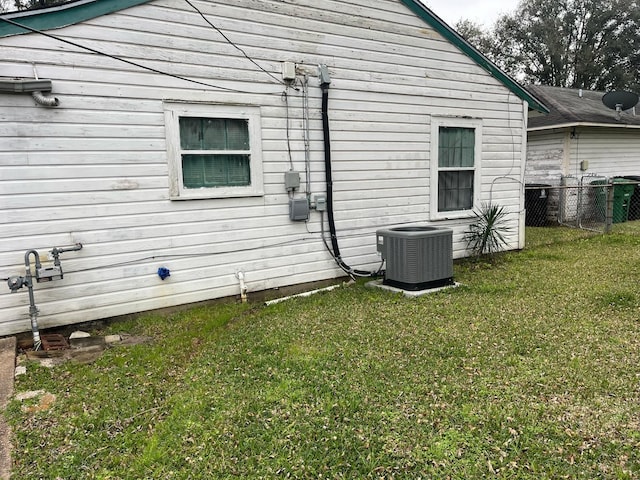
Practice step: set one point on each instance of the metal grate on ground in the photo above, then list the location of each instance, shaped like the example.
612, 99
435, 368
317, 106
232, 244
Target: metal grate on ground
53, 341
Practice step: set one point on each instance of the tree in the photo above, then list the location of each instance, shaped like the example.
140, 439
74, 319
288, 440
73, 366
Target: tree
592, 44
35, 4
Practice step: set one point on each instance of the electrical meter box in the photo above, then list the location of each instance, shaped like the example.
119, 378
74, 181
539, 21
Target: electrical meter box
298, 209
288, 71
291, 180
321, 203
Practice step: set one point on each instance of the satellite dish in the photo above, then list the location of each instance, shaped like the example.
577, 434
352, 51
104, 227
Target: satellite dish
620, 101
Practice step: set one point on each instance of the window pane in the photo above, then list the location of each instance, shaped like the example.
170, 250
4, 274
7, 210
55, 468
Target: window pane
468, 141
455, 191
198, 133
237, 134
190, 133
192, 171
200, 171
213, 137
456, 147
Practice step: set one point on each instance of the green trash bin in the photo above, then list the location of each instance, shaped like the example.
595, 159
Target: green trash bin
622, 192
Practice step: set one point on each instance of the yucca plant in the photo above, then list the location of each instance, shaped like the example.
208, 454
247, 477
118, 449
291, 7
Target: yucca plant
487, 234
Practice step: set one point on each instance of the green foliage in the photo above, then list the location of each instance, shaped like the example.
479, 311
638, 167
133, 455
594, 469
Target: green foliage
590, 44
36, 4
527, 371
487, 234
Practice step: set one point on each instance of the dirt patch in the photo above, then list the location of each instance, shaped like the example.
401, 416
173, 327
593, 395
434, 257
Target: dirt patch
7, 371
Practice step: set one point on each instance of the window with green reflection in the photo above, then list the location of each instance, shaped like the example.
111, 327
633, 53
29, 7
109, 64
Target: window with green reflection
216, 152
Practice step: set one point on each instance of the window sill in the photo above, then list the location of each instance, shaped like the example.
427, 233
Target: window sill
209, 193
458, 215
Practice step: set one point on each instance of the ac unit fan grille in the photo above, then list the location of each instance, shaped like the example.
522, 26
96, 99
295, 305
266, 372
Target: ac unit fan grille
417, 259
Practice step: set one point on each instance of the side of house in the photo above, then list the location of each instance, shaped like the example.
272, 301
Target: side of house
132, 163
582, 151
606, 152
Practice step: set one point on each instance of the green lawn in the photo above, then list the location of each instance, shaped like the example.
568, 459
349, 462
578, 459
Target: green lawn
531, 369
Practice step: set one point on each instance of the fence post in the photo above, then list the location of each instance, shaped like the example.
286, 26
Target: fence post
609, 215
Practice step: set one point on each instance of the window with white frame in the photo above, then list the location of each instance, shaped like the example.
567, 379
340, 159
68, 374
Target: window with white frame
214, 151
456, 145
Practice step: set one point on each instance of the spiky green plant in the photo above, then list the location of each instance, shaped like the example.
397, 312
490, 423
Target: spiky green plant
487, 234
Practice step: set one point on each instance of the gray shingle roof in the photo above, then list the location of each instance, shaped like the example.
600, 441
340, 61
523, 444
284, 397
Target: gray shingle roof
567, 107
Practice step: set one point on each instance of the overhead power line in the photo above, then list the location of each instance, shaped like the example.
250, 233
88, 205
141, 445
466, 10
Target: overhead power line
234, 44
129, 62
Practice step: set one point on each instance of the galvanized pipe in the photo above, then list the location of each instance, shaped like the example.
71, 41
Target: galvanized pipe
33, 310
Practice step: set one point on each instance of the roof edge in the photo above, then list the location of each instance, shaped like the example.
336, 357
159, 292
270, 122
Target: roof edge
61, 15
454, 37
560, 126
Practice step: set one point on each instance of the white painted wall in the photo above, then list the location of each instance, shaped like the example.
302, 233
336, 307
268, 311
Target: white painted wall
94, 170
608, 151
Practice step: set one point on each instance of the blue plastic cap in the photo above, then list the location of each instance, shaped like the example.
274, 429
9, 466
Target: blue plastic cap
163, 273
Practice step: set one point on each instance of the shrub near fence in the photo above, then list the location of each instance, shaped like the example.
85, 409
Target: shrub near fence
590, 203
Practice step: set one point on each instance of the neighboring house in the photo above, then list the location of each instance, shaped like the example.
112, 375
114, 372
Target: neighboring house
148, 170
580, 137
579, 142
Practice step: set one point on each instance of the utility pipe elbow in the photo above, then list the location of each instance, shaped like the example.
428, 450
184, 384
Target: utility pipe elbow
45, 101
27, 262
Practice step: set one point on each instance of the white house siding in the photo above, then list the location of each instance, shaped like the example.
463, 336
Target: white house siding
552, 154
608, 151
545, 157
94, 170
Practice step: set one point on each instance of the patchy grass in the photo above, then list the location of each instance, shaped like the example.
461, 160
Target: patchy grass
530, 370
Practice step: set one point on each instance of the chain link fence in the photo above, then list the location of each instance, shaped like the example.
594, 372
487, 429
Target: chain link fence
590, 203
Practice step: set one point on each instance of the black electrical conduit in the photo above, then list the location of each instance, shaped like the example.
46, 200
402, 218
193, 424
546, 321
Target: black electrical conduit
335, 249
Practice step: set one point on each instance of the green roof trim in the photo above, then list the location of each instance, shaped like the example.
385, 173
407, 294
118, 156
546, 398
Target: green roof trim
447, 32
62, 15
82, 10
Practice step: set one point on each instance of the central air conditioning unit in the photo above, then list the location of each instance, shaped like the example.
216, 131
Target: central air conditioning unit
417, 258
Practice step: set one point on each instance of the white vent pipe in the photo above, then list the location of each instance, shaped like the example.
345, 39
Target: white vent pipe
243, 286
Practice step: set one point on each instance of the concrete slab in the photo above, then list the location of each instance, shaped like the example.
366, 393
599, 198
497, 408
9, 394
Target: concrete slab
408, 293
7, 372
84, 342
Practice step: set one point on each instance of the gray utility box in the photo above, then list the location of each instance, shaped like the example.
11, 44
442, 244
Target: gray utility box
417, 258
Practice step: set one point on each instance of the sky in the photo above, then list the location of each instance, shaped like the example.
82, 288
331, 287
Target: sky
484, 12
